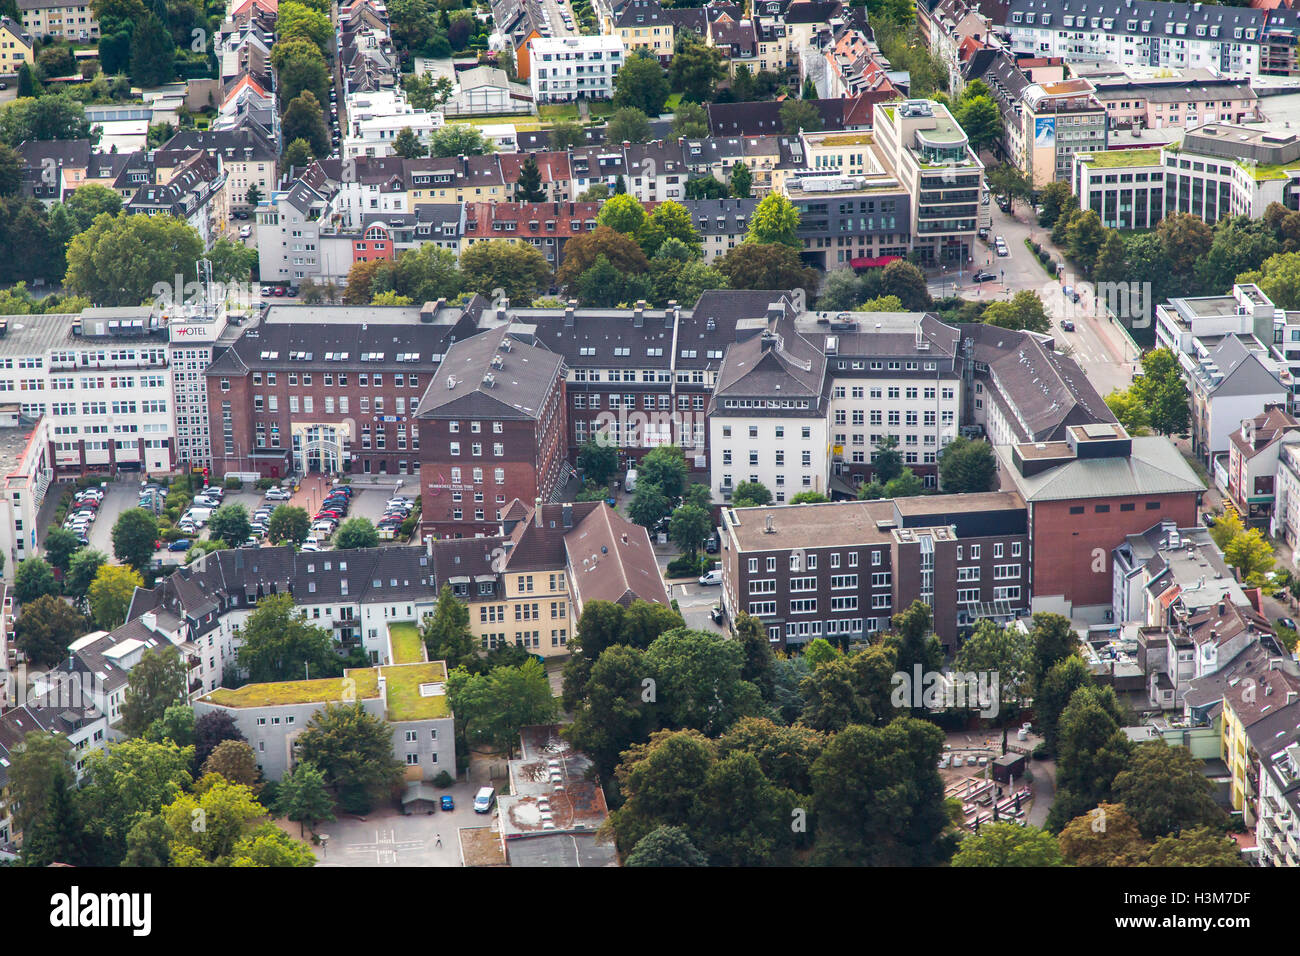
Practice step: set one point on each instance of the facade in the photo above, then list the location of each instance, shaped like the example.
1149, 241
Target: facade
1084, 496
248, 159
16, 47
932, 158
492, 422
574, 67
1274, 743
28, 470
58, 18
1144, 97
1228, 385
841, 570
376, 117
1253, 452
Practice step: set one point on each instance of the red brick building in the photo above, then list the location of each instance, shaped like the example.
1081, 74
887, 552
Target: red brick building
545, 225
1084, 495
492, 429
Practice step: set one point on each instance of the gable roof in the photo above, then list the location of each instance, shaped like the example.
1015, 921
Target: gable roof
492, 375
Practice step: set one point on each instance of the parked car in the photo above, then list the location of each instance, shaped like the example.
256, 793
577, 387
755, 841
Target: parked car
711, 577
1287, 623
484, 799
716, 613
250, 542
310, 546
447, 803
278, 494
711, 546
180, 544
245, 232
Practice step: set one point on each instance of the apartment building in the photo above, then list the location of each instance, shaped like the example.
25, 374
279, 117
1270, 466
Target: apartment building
492, 420
569, 68
194, 190
27, 459
932, 159
376, 117
290, 223
325, 388
1253, 452
1151, 32
545, 226
721, 223
104, 380
1084, 495
1274, 746
642, 24
841, 570
247, 157
60, 19
16, 47
1145, 97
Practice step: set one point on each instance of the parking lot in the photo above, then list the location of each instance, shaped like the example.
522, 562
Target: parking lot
388, 838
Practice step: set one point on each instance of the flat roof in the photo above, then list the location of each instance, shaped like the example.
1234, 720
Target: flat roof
411, 692
1117, 158
827, 525
323, 691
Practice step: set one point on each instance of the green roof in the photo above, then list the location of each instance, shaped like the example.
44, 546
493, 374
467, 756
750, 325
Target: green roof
1114, 158
1269, 171
405, 702
323, 691
407, 646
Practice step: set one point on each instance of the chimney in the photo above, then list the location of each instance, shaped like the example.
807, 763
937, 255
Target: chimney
673, 314
567, 515
638, 314
150, 620
1223, 608
502, 308
537, 512
428, 545
569, 309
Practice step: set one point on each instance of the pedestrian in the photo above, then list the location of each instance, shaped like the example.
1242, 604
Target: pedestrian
438, 844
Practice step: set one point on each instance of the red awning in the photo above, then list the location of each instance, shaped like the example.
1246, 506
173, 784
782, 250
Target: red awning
872, 263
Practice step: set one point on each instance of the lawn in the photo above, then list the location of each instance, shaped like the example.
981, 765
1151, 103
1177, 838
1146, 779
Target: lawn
405, 701
555, 112
325, 690
405, 642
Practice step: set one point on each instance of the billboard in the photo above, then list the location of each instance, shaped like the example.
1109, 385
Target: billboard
1044, 132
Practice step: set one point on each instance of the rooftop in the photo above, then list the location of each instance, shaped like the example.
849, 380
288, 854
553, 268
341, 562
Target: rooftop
1116, 158
323, 691
417, 691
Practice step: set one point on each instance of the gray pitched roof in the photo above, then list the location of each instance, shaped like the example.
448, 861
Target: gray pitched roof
1155, 467
492, 375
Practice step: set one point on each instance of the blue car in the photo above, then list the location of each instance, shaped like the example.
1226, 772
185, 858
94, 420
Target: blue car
181, 544
447, 803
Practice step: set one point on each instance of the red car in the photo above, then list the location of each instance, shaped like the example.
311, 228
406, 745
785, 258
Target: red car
278, 291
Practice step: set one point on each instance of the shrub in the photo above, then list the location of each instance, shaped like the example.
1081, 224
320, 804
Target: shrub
266, 484
1041, 752
233, 483
443, 780
687, 566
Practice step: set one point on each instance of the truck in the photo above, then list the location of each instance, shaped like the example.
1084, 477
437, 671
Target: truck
629, 481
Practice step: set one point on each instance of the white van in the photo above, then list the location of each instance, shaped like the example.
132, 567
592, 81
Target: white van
484, 799
629, 481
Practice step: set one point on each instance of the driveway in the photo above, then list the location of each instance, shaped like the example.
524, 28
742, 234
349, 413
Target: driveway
388, 838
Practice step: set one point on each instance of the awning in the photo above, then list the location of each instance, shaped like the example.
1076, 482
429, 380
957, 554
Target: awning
872, 262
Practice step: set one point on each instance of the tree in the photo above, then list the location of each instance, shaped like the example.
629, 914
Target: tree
598, 461
448, 636
841, 690
40, 784
134, 534
494, 706
967, 466
596, 192
458, 139
130, 780
303, 796
1005, 651
565, 135
622, 214
1084, 239
120, 260
1053, 692
408, 145
878, 796
176, 725
234, 760
1092, 749
1130, 410
45, 628
799, 116
705, 187
666, 846
902, 279
228, 812
153, 53
1240, 245
48, 116
627, 125
356, 533
690, 527
289, 523
1008, 844
1186, 239
528, 188
82, 569
887, 303
148, 843
1252, 555
232, 261
297, 155
913, 641
741, 817
605, 286
1007, 180
613, 713
303, 119
157, 681
1024, 312
752, 265
694, 68
750, 494
354, 751
279, 644
1055, 199
1162, 390
1104, 836
110, 595
581, 253
690, 120
886, 461
34, 578
1165, 790
660, 781
640, 84
27, 86
665, 466
775, 220
428, 273
906, 485
669, 221
210, 730
11, 170
741, 181
980, 120
230, 524
1111, 264
300, 20
699, 680
1199, 846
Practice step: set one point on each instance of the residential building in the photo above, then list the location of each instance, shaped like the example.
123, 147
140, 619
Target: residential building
16, 47
1144, 97
721, 223
48, 164
1274, 749
1229, 383
376, 117
1166, 568
26, 457
545, 226
574, 67
247, 157
290, 221
1253, 452
1120, 483
59, 18
841, 570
